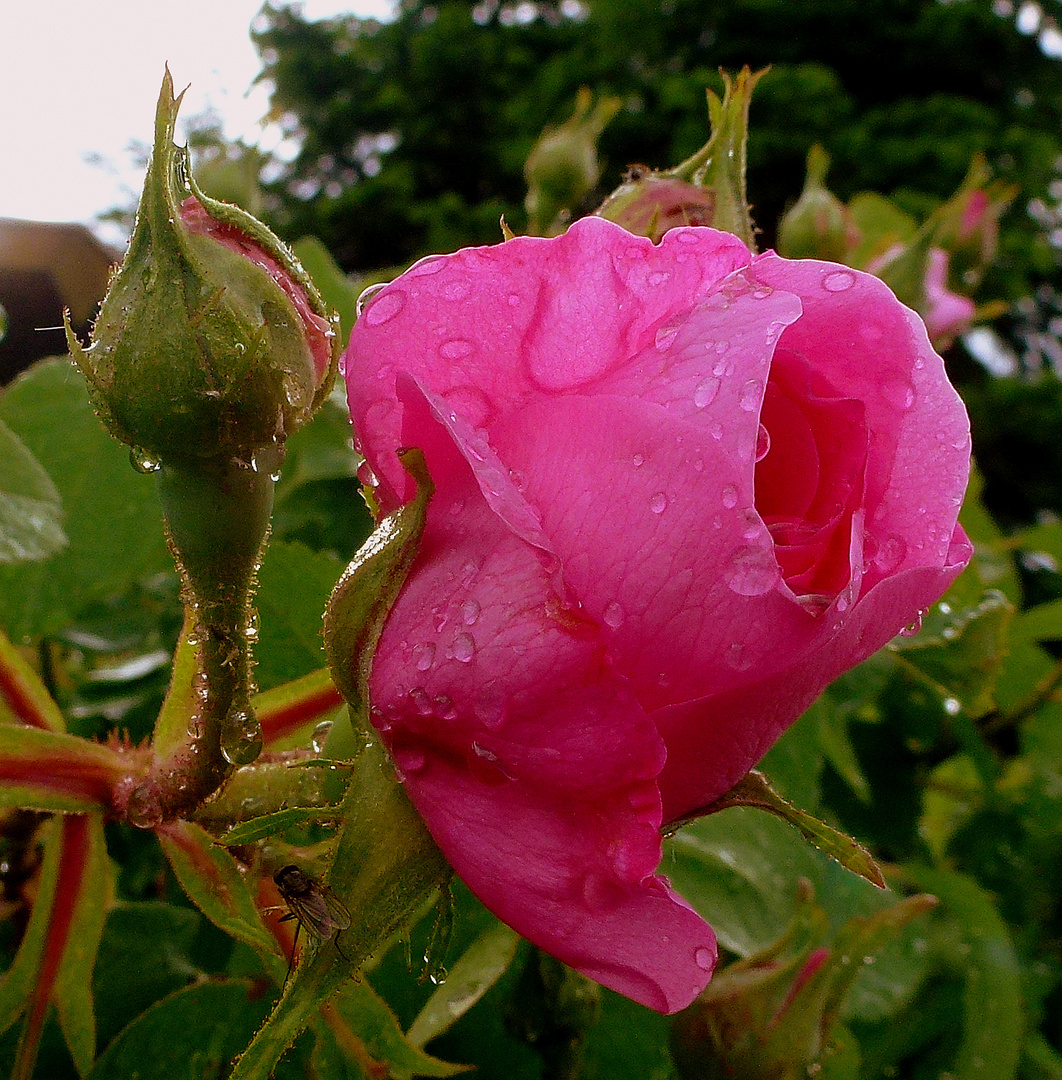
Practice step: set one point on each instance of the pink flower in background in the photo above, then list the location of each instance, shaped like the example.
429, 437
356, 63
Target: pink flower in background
948, 314
680, 488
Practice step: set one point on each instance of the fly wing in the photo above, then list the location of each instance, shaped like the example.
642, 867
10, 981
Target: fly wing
320, 912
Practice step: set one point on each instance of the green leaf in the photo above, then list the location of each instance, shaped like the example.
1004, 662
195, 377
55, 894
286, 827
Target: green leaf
372, 1022
214, 883
741, 868
73, 983
191, 1035
50, 770
961, 651
476, 971
113, 518
293, 587
993, 1003
259, 828
31, 511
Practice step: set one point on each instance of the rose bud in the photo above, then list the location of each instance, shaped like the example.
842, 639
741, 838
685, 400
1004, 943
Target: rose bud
679, 489
562, 168
818, 225
212, 341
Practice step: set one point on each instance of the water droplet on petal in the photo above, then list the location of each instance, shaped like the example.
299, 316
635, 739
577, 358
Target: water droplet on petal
464, 648
658, 502
838, 281
639, 460
455, 348
749, 398
424, 655
665, 336
704, 958
730, 496
320, 735
456, 290
753, 571
706, 392
737, 656
890, 554
443, 707
614, 615
382, 310
421, 700
470, 612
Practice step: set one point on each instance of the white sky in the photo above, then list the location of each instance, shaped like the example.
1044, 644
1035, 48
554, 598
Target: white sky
82, 77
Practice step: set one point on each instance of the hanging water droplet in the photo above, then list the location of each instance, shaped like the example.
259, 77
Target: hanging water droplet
912, 627
320, 736
241, 737
142, 461
763, 443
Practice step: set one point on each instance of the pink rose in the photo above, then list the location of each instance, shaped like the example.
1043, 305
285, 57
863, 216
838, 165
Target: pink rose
680, 488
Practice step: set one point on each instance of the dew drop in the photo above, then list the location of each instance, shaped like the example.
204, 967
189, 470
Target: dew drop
730, 496
424, 655
464, 648
443, 707
384, 309
614, 615
706, 392
142, 461
421, 700
658, 277
241, 737
838, 281
752, 571
912, 627
470, 612
737, 656
952, 706
749, 398
408, 760
716, 430
320, 736
658, 502
456, 290
366, 476
890, 554
639, 460
455, 348
665, 336
704, 958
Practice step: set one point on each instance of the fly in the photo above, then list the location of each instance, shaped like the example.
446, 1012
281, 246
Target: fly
314, 905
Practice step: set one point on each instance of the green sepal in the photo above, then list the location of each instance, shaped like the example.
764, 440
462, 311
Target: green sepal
386, 867
216, 885
818, 225
364, 595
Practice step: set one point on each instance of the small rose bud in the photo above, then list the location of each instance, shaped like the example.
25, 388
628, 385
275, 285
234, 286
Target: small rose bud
562, 168
212, 342
818, 225
707, 188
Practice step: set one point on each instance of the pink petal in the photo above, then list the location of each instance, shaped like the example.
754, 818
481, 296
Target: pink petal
524, 750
